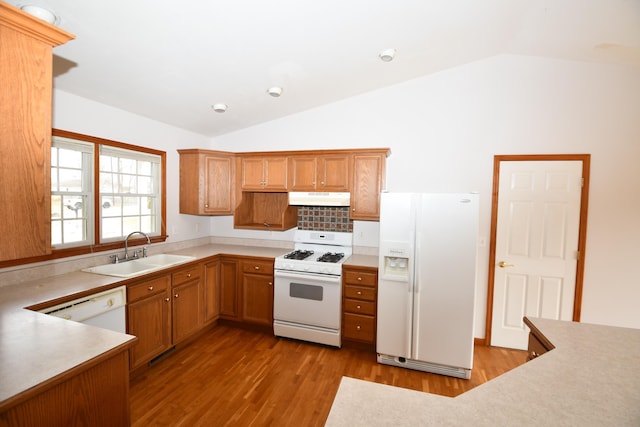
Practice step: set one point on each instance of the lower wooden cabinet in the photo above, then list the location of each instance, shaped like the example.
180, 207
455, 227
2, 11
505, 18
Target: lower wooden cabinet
164, 311
229, 288
359, 299
188, 302
149, 318
211, 291
257, 291
538, 343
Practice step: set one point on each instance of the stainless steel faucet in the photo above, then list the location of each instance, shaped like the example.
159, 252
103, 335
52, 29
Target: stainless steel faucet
126, 244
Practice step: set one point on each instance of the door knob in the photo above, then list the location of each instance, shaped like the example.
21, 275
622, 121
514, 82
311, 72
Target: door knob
503, 264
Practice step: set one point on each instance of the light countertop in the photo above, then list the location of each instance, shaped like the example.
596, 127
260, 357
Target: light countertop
36, 349
591, 378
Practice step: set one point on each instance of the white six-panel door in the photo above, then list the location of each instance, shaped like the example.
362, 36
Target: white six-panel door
536, 246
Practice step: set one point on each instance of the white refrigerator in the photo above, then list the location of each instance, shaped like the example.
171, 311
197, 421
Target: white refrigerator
427, 281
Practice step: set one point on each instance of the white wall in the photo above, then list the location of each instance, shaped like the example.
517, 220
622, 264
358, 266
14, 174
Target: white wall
76, 114
444, 129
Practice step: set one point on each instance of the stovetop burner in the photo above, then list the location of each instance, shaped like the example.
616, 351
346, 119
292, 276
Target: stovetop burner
299, 254
331, 257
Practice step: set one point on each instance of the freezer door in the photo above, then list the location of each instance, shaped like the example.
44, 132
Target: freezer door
445, 279
397, 219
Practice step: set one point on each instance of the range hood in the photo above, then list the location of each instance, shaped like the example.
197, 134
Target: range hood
313, 198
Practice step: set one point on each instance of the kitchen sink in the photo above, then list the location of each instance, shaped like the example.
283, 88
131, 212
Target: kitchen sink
140, 266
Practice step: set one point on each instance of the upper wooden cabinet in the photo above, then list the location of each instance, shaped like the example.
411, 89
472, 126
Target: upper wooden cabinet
26, 45
207, 183
263, 173
368, 181
319, 172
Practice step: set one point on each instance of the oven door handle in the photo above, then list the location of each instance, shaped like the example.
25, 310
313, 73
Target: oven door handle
302, 276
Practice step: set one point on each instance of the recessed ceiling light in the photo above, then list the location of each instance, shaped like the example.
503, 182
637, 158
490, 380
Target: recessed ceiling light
219, 108
275, 91
41, 13
387, 55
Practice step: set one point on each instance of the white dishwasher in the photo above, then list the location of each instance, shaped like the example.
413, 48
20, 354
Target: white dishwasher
105, 309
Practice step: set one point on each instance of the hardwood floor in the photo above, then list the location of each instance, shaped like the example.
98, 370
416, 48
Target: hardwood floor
235, 377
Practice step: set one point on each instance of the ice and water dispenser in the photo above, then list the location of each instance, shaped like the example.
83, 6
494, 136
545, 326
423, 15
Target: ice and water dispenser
396, 267
395, 262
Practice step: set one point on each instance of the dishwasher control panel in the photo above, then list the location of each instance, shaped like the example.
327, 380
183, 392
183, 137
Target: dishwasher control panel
90, 306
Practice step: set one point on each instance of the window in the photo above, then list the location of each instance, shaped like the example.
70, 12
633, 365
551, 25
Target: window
71, 191
103, 190
129, 193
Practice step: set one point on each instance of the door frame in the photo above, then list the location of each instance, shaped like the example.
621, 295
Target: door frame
582, 228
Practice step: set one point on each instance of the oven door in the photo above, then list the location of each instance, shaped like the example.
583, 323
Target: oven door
307, 299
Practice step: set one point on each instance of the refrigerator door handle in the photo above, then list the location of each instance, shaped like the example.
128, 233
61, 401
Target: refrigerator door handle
414, 324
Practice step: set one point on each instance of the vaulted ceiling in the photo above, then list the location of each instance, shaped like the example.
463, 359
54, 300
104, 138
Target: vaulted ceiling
171, 61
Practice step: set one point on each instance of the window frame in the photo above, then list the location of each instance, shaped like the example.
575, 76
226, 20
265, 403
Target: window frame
97, 246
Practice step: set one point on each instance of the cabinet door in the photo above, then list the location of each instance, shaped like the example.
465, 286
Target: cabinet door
149, 319
211, 291
25, 135
333, 173
264, 174
218, 183
275, 173
228, 288
252, 173
368, 179
303, 172
187, 309
257, 298
207, 182
319, 173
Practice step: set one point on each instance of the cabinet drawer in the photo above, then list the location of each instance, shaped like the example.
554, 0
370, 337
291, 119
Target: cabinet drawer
358, 327
148, 288
360, 307
186, 274
360, 278
359, 292
257, 267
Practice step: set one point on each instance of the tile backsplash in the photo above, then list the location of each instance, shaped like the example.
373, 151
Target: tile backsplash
324, 218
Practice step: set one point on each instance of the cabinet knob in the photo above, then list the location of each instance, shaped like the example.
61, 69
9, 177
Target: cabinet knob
270, 283
188, 275
358, 307
321, 182
359, 279
353, 209
150, 288
359, 293
206, 206
175, 296
256, 268
166, 299
358, 327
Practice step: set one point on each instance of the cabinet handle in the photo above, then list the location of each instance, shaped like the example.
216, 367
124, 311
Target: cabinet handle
150, 288
176, 296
